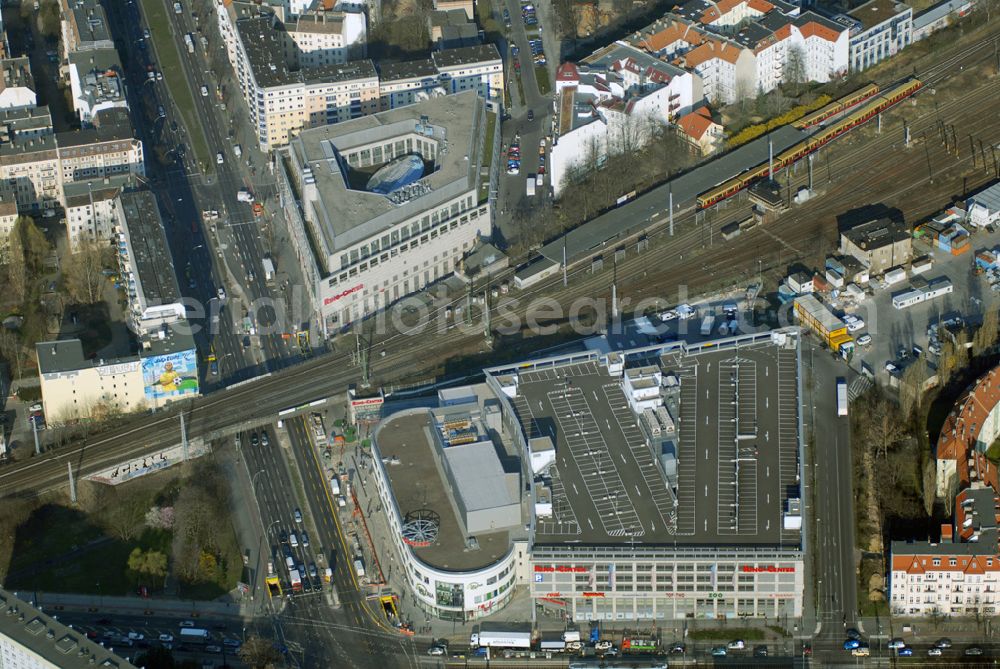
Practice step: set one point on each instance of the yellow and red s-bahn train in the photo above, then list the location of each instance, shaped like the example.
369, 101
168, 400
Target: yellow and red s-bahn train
784, 159
837, 106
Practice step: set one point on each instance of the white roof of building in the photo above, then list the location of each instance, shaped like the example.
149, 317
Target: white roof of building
481, 481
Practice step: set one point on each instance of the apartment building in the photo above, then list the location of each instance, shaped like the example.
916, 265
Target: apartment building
109, 148
31, 639
318, 39
879, 29
84, 27
29, 167
97, 83
379, 237
614, 102
407, 82
283, 102
145, 264
90, 208
958, 575
476, 68
8, 215
17, 86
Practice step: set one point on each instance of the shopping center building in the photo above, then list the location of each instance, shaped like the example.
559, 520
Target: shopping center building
648, 484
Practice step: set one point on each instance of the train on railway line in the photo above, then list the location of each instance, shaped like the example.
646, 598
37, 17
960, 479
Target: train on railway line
786, 158
837, 106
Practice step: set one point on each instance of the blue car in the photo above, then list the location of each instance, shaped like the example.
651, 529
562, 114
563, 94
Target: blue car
905, 651
851, 644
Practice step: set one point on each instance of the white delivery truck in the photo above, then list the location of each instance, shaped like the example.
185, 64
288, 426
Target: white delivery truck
496, 637
707, 324
841, 396
531, 185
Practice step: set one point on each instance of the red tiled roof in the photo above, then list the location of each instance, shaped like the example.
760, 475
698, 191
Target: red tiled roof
696, 124
815, 29
568, 72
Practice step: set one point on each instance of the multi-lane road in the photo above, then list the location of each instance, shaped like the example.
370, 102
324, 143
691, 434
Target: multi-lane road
287, 475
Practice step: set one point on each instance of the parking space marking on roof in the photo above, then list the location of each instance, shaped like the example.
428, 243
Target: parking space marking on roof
657, 490
598, 469
688, 455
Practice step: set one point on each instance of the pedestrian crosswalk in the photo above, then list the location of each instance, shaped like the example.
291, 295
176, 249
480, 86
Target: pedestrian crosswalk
859, 386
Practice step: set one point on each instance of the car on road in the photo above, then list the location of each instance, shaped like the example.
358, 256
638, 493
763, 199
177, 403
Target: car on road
298, 516
897, 643
943, 642
246, 342
531, 114
917, 351
861, 651
760, 651
283, 537
973, 651
603, 645
313, 572
891, 367
204, 91
145, 33
166, 637
855, 325
264, 439
221, 293
237, 150
136, 636
851, 644
514, 50
719, 651
213, 649
232, 643
187, 623
219, 158
437, 650
737, 644
254, 439
934, 652
293, 540
905, 651
305, 538
864, 340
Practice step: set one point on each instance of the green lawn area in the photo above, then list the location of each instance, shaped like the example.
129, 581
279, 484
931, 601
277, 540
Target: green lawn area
169, 62
51, 554
542, 77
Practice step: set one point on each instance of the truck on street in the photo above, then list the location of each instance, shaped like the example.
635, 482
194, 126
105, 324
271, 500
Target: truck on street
244, 195
531, 185
296, 580
707, 324
189, 42
841, 396
498, 637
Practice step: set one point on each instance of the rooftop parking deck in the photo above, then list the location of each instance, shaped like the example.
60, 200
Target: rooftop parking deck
737, 447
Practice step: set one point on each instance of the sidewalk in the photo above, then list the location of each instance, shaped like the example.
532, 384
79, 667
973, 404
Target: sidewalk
136, 605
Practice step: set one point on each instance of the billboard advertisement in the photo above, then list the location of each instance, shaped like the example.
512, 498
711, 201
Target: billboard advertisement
170, 376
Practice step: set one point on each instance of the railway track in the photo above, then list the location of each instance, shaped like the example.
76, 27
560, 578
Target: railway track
668, 263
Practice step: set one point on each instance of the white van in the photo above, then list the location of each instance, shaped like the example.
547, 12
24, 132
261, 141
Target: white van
293, 540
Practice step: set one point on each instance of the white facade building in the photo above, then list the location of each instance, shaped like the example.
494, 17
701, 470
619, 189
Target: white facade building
879, 30
327, 38
984, 207
31, 639
90, 209
960, 574
376, 248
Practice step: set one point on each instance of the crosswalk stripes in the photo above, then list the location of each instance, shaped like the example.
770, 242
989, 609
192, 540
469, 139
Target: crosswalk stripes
859, 386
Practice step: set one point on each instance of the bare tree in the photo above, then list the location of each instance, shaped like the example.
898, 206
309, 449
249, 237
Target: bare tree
986, 335
795, 67
17, 274
83, 272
